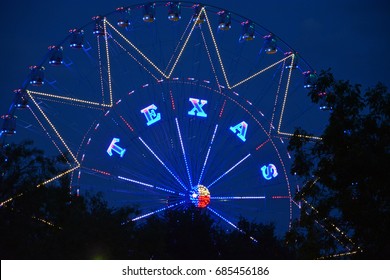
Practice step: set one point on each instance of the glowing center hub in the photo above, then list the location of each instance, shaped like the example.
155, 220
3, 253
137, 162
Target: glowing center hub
200, 196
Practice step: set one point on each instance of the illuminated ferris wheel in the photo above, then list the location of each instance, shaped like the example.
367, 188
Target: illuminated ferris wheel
172, 105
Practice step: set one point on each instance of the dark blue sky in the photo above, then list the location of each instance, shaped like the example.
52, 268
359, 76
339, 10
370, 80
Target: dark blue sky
349, 36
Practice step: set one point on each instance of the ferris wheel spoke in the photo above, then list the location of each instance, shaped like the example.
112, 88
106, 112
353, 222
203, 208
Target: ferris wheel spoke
261, 146
221, 198
134, 58
157, 211
208, 153
162, 163
210, 59
230, 223
228, 171
109, 78
216, 48
272, 127
285, 99
178, 45
132, 182
184, 152
153, 187
136, 49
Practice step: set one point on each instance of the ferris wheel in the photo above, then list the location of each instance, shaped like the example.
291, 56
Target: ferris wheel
172, 105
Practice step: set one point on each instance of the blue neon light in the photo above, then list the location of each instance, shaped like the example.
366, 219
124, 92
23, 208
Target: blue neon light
236, 197
165, 190
224, 174
157, 211
115, 148
162, 163
145, 184
184, 152
230, 223
136, 182
269, 171
197, 110
151, 115
207, 155
240, 130
224, 219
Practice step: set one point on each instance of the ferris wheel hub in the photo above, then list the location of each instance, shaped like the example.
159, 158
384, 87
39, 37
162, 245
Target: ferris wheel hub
200, 196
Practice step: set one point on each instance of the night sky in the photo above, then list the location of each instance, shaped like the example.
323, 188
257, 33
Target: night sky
351, 37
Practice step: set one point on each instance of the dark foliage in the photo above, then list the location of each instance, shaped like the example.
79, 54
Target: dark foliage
346, 174
46, 222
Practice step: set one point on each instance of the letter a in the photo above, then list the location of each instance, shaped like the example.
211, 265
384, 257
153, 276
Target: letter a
240, 130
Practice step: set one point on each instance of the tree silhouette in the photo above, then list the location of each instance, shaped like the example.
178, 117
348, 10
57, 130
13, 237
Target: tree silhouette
347, 193
23, 220
47, 222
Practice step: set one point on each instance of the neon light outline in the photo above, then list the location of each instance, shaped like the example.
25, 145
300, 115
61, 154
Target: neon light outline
230, 223
151, 115
145, 184
163, 164
269, 171
230, 169
197, 110
157, 211
207, 155
240, 130
184, 152
114, 147
236, 197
